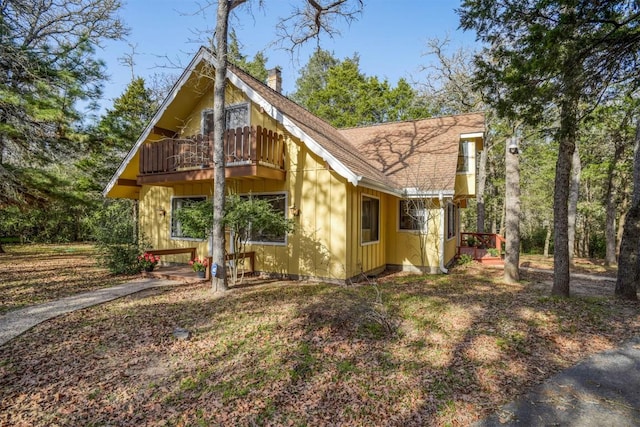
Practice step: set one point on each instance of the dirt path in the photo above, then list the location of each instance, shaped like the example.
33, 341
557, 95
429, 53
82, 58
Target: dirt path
590, 285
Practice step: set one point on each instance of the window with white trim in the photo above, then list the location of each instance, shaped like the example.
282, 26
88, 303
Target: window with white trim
236, 116
370, 229
179, 203
452, 224
464, 157
278, 202
412, 215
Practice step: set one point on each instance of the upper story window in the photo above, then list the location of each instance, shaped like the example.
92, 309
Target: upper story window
465, 156
370, 229
236, 116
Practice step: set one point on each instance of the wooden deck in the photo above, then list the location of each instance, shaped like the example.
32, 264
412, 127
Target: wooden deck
486, 248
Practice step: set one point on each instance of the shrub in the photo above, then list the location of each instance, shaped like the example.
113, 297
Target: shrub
114, 232
465, 259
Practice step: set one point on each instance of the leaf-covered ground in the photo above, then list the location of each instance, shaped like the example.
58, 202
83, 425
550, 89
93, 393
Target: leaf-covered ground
439, 350
33, 274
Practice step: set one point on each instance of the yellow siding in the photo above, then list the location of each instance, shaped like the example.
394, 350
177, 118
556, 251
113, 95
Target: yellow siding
450, 249
156, 228
193, 123
465, 185
403, 247
363, 258
316, 248
326, 242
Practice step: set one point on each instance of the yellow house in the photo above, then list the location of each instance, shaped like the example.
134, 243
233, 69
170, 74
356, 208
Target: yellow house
363, 199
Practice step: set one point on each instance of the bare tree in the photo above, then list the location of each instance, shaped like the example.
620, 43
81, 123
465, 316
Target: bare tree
309, 22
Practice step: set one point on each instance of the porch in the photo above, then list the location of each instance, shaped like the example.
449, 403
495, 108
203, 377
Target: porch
252, 152
486, 248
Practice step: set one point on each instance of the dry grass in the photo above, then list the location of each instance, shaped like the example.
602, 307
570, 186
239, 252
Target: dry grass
305, 354
33, 274
580, 265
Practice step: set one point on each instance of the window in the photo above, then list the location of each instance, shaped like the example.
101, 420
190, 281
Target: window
451, 221
412, 215
278, 203
179, 203
370, 219
464, 158
235, 116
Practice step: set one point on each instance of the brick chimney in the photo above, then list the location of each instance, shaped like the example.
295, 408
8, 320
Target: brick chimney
274, 79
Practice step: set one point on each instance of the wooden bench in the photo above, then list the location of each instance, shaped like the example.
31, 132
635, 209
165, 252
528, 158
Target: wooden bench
174, 251
228, 257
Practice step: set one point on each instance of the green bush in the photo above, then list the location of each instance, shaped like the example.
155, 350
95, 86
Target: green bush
114, 232
121, 258
465, 259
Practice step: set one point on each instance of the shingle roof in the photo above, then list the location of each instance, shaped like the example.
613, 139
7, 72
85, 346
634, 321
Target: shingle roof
420, 154
322, 132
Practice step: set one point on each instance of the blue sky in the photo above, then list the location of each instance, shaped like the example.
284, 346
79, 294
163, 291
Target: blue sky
390, 37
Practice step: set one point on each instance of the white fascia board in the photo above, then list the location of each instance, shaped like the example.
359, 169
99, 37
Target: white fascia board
165, 104
413, 193
472, 135
312, 144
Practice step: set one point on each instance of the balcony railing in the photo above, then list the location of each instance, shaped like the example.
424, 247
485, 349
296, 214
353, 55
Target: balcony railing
243, 147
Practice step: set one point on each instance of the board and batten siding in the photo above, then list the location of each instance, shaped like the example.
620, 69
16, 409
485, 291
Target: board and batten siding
403, 246
368, 257
156, 228
317, 246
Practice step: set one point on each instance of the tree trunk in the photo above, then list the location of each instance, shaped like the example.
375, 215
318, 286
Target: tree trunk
574, 193
610, 220
482, 180
503, 216
621, 221
1, 248
219, 280
567, 145
628, 272
547, 240
512, 221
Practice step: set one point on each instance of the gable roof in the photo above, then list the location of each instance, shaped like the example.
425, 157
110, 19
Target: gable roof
319, 136
342, 150
419, 155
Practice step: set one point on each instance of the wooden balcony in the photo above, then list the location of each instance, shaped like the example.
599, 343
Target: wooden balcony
485, 248
249, 152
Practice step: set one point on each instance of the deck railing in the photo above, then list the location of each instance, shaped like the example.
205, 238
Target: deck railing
481, 246
242, 146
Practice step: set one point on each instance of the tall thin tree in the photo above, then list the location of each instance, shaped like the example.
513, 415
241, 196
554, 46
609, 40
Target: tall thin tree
305, 23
